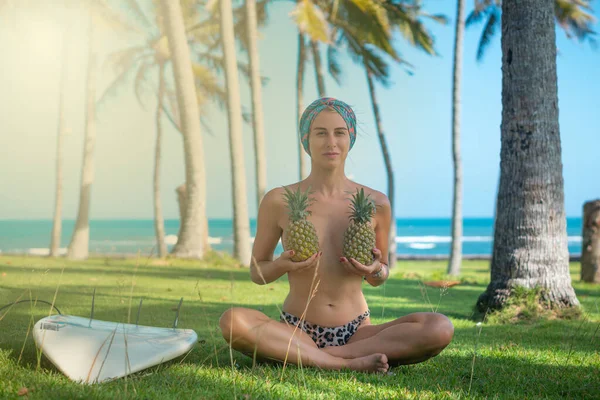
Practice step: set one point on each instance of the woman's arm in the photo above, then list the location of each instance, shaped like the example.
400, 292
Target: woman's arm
263, 269
383, 218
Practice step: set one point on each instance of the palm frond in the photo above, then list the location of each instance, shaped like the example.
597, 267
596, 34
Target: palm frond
575, 20
311, 21
368, 24
124, 63
132, 7
240, 25
376, 65
375, 10
205, 125
208, 86
333, 65
141, 80
105, 16
439, 18
407, 21
170, 103
476, 16
246, 115
488, 33
244, 69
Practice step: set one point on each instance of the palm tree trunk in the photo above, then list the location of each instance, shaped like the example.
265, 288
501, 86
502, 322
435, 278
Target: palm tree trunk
530, 237
318, 68
299, 99
457, 223
159, 224
241, 223
257, 111
392, 256
79, 245
57, 221
590, 245
182, 202
190, 241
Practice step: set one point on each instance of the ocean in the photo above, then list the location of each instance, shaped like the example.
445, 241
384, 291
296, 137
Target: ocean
426, 237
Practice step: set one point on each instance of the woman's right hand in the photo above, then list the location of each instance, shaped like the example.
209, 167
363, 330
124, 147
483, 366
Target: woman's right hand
286, 263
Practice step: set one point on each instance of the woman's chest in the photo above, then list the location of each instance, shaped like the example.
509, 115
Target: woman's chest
330, 221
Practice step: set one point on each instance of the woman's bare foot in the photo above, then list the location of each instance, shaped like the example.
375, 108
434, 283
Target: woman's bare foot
337, 351
371, 363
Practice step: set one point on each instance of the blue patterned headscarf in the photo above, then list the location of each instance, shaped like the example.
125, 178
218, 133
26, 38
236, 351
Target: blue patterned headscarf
311, 112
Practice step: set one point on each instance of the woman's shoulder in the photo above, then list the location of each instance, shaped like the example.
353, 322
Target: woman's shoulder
380, 198
276, 195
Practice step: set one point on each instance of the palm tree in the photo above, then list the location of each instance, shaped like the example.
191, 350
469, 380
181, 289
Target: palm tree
312, 24
57, 221
257, 108
318, 68
387, 160
571, 15
159, 226
140, 61
241, 223
457, 223
79, 245
100, 15
302, 166
191, 240
530, 236
246, 19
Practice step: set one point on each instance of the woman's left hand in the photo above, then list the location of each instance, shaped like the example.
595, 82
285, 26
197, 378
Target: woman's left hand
357, 268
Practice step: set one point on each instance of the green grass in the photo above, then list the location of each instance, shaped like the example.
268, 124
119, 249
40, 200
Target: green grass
543, 359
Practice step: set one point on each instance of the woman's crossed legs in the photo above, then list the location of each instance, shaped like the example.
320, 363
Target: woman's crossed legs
410, 339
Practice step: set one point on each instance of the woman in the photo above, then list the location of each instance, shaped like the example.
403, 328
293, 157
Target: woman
328, 326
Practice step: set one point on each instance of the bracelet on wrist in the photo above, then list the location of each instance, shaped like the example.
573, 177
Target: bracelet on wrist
378, 274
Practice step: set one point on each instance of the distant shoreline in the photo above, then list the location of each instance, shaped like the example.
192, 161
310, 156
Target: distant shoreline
400, 257
484, 257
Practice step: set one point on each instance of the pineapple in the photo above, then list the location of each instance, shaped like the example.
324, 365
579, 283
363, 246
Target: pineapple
359, 237
301, 235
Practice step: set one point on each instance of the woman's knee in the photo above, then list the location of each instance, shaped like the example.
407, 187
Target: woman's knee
230, 322
442, 331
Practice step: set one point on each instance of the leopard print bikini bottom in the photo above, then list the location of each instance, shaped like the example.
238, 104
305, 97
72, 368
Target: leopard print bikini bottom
326, 336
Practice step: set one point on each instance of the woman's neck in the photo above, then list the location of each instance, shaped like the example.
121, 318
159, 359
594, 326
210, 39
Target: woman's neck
327, 182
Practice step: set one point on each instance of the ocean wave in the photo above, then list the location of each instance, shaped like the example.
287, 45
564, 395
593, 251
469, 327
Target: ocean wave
413, 242
41, 251
440, 239
422, 246
448, 239
170, 240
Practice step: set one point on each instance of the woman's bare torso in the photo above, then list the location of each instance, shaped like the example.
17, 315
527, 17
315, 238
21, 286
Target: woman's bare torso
338, 296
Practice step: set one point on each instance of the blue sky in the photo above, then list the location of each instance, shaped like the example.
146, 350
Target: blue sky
416, 114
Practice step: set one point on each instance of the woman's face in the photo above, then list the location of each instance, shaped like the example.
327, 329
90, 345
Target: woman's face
329, 139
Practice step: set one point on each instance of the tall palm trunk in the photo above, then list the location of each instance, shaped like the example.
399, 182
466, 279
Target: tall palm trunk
79, 245
181, 191
241, 224
57, 221
530, 236
318, 68
388, 168
457, 222
302, 170
190, 242
257, 110
159, 224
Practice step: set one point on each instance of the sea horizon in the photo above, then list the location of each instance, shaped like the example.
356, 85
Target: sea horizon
416, 237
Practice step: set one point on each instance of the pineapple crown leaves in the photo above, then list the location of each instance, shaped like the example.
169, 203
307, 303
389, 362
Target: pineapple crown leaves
362, 207
297, 203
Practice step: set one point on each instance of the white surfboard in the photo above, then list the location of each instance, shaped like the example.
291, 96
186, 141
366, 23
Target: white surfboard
92, 351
